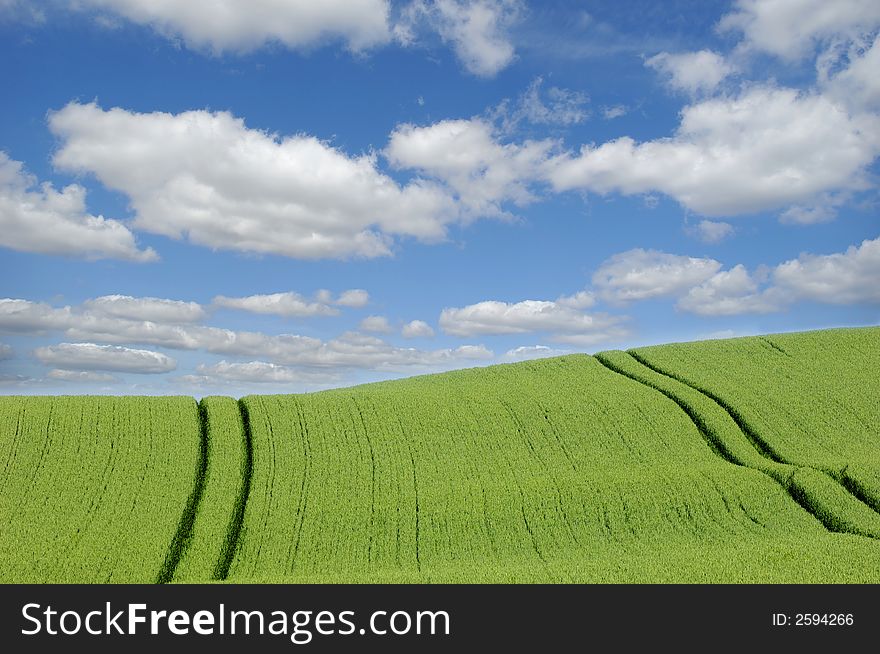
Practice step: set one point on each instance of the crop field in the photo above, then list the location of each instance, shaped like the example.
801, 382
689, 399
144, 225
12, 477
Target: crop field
743, 460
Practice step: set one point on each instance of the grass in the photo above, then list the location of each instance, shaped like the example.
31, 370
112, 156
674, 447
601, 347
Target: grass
747, 460
93, 488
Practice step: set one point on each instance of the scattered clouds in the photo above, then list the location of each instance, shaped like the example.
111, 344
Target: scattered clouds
564, 318
81, 376
711, 231
89, 356
207, 177
791, 29
146, 308
528, 352
244, 25
350, 350
38, 218
691, 72
5, 352
417, 329
376, 324
464, 154
764, 149
643, 274
477, 30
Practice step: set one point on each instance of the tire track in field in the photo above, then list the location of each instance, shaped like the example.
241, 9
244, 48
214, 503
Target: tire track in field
793, 490
233, 533
763, 447
188, 519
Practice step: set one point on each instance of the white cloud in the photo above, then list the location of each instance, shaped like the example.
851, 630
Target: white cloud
354, 298
279, 304
692, 72
848, 277
764, 149
615, 111
417, 329
555, 107
244, 25
477, 30
146, 308
39, 218
5, 352
81, 376
580, 300
378, 324
528, 352
643, 274
568, 324
465, 155
207, 177
26, 316
21, 10
260, 372
349, 350
730, 292
710, 231
849, 74
89, 356
791, 29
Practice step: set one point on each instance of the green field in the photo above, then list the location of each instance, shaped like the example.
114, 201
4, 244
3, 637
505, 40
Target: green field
740, 460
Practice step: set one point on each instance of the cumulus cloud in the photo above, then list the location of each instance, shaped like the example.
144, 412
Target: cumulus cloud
146, 308
417, 329
39, 218
562, 317
207, 177
25, 316
791, 29
377, 324
81, 376
279, 304
691, 72
846, 277
766, 148
89, 356
643, 274
711, 231
354, 298
244, 25
5, 351
847, 73
465, 155
729, 292
477, 30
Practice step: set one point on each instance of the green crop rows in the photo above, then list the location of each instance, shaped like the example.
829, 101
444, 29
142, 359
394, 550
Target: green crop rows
745, 460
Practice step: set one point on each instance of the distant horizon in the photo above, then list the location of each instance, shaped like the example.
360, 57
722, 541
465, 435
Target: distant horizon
304, 199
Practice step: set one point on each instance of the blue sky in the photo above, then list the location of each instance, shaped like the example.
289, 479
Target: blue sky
282, 197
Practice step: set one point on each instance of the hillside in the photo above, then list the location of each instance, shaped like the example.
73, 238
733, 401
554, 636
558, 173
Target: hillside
740, 460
